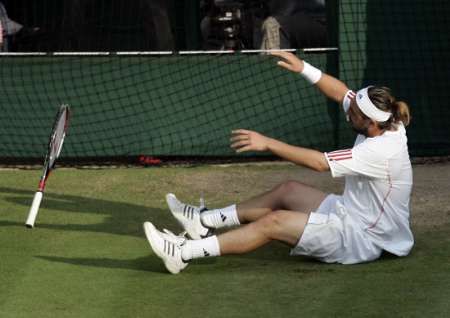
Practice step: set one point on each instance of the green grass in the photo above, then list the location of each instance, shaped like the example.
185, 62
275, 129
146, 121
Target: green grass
88, 257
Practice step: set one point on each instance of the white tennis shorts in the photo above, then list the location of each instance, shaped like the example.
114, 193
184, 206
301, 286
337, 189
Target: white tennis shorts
332, 236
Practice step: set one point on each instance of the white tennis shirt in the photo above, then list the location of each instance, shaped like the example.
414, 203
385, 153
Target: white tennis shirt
378, 182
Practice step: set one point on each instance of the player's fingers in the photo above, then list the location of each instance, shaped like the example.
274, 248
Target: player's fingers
282, 54
239, 137
277, 53
240, 144
285, 65
240, 131
244, 149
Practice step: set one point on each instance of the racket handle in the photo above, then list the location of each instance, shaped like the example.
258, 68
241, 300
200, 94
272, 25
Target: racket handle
34, 209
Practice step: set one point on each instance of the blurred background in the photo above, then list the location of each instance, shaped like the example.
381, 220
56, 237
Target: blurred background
165, 25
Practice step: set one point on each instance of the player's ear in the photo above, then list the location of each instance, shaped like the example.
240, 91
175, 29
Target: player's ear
374, 124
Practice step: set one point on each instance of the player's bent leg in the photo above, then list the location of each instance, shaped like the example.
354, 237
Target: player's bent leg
289, 195
284, 226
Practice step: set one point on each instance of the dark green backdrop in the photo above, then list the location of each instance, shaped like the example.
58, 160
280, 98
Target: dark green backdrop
403, 45
187, 105
174, 105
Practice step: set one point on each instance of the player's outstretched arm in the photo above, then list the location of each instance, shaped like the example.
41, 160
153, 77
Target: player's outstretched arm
328, 85
243, 140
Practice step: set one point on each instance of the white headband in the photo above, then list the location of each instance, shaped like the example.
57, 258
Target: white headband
368, 108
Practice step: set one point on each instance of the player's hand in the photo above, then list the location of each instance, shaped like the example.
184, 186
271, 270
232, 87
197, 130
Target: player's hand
289, 61
246, 140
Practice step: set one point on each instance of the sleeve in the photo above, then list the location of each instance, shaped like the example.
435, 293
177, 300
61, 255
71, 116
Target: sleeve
360, 160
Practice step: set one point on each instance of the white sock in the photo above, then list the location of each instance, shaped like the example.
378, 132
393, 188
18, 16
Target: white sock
207, 247
219, 218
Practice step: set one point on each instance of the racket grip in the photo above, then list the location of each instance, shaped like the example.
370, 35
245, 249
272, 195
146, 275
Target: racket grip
34, 209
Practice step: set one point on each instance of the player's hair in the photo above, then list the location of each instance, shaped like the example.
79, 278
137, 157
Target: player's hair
382, 98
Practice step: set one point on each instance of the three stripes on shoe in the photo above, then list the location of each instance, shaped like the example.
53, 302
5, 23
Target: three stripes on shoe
188, 211
169, 248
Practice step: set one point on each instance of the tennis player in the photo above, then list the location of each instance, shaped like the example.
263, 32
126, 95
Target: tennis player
371, 216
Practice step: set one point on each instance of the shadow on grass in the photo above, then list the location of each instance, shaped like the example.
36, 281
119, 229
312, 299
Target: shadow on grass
119, 217
146, 264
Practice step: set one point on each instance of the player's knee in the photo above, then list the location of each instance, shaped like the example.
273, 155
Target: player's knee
272, 224
289, 186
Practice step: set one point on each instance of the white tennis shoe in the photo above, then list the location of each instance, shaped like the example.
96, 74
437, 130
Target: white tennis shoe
166, 246
189, 217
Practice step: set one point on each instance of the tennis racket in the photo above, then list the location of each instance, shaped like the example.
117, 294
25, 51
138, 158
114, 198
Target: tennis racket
54, 149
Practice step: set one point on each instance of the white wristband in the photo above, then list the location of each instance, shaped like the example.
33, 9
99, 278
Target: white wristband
310, 73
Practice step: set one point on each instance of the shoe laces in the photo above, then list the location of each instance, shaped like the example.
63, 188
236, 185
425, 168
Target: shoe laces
179, 239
